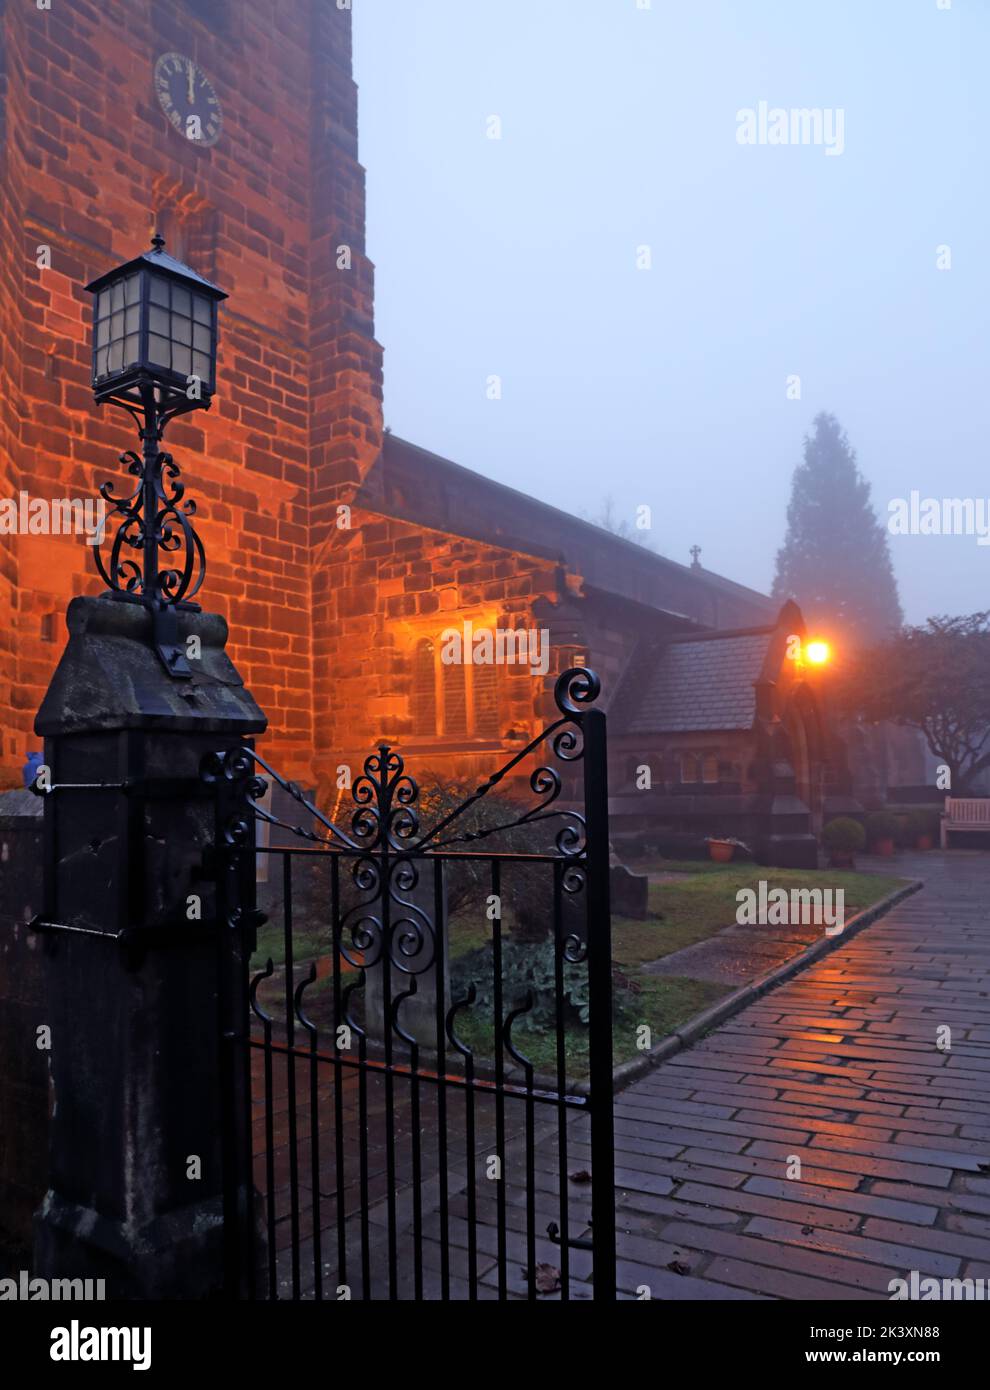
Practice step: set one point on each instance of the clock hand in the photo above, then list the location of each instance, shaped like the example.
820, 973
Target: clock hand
192, 84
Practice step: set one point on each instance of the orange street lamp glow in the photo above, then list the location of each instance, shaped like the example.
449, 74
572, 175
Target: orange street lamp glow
817, 653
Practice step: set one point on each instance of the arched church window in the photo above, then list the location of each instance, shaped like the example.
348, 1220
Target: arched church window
455, 699
454, 687
485, 701
424, 690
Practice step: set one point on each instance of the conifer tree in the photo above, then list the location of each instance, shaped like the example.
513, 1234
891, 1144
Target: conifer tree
835, 561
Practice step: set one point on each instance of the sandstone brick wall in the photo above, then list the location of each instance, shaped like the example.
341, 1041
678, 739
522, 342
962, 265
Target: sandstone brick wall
383, 586
9, 333
90, 164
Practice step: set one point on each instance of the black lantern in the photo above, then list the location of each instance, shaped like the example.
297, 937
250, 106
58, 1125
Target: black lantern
155, 321
155, 355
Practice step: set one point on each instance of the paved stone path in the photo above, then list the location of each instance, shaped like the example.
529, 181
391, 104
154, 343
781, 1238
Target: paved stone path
839, 1068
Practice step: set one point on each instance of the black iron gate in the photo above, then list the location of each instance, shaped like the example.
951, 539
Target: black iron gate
417, 1065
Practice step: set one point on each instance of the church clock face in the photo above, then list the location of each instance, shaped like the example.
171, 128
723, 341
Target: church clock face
187, 97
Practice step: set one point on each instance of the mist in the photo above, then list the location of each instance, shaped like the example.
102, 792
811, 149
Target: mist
665, 307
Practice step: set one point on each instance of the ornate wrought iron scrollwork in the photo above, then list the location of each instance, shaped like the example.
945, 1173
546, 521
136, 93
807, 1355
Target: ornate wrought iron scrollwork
520, 1057
234, 770
412, 934
576, 687
385, 815
574, 880
153, 520
385, 798
451, 1018
575, 690
256, 1009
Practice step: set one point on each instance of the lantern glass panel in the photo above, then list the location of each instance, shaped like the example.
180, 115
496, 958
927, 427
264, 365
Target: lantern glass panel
201, 310
159, 351
158, 290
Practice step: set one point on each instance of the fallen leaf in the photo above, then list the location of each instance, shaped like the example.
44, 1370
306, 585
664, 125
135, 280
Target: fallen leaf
546, 1278
582, 1175
679, 1267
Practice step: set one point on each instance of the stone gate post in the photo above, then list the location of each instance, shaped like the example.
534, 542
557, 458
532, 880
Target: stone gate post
132, 957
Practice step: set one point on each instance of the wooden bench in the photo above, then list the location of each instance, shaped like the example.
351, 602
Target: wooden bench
965, 813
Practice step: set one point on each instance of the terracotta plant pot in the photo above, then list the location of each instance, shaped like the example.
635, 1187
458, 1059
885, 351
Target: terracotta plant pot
720, 851
924, 842
885, 848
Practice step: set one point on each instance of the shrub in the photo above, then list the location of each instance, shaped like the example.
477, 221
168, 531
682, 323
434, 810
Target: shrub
918, 823
844, 835
530, 966
526, 966
526, 888
881, 825
906, 834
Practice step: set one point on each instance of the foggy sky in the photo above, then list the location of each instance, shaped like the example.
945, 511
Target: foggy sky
667, 387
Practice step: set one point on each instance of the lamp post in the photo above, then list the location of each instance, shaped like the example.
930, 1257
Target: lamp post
154, 355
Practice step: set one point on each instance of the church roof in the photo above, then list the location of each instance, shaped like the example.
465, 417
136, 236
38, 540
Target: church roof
695, 684
412, 483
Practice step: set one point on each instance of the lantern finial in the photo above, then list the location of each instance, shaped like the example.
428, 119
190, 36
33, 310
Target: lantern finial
158, 242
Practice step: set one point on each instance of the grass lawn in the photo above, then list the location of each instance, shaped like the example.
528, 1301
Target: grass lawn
697, 905
661, 1004
705, 902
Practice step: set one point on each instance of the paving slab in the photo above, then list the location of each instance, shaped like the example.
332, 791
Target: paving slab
841, 1098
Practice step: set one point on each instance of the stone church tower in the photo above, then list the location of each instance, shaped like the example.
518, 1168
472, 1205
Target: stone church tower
273, 209
338, 554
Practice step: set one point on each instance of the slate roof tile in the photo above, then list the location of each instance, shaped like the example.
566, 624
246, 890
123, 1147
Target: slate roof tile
697, 686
